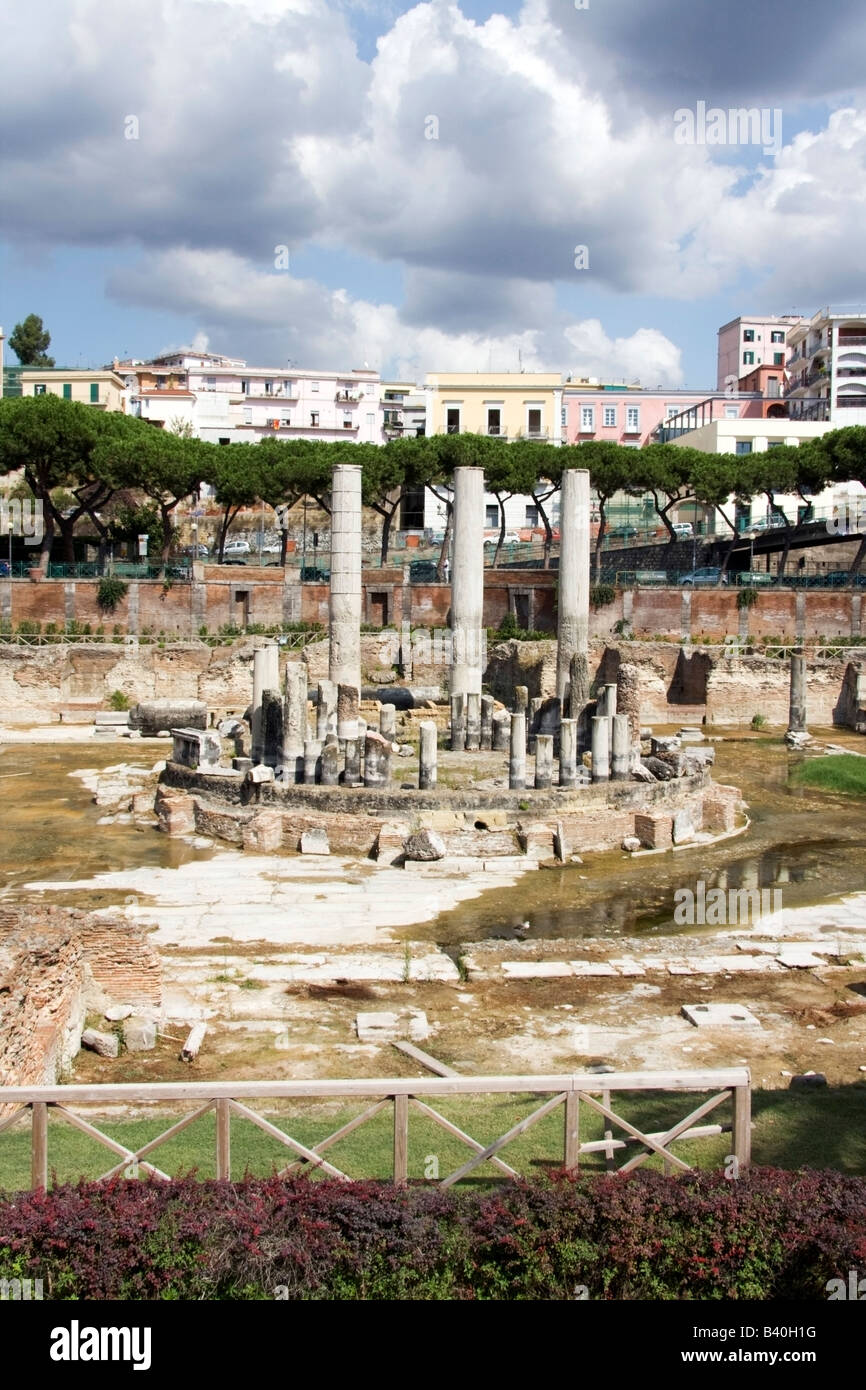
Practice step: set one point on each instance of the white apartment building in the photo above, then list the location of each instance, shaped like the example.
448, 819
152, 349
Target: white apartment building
225, 401
827, 366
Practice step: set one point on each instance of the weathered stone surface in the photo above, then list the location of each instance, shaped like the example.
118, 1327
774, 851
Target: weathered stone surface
630, 844
116, 1013
719, 1016
536, 838
264, 832
719, 808
808, 1081
641, 773
424, 845
389, 844
195, 748
683, 827
139, 1035
315, 842
797, 738
660, 769
192, 1046
654, 829
387, 1026
152, 717
175, 811
561, 844
103, 1044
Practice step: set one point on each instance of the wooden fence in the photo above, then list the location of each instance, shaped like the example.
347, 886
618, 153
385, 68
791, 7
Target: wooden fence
571, 1092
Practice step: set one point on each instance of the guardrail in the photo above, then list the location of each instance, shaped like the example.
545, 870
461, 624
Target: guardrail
292, 640
756, 579
570, 1093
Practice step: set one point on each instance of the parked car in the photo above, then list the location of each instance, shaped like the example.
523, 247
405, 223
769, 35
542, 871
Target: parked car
705, 576
230, 561
198, 552
622, 532
510, 538
683, 530
769, 523
272, 549
237, 548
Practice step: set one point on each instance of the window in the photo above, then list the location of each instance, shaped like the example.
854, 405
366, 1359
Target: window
245, 387
248, 415
452, 420
269, 388
732, 412
778, 359
748, 359
67, 390
348, 422
39, 389
748, 335
531, 516
777, 336
209, 381
563, 417
773, 386
632, 419
775, 443
744, 446
533, 420
314, 386
610, 417
314, 418
286, 416
671, 411
491, 514
494, 420
94, 393
587, 419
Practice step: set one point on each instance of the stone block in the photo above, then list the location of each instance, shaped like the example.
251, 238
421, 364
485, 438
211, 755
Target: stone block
536, 969
103, 1044
654, 830
719, 808
175, 812
424, 845
315, 841
116, 1013
536, 839
808, 1081
153, 717
719, 1016
662, 770
264, 832
683, 827
389, 842
139, 1035
631, 844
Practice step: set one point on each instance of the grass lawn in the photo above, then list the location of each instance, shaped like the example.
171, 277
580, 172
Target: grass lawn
840, 772
792, 1129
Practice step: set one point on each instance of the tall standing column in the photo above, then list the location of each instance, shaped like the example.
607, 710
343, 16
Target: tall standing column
428, 755
467, 582
344, 659
266, 676
326, 710
295, 732
797, 698
600, 748
517, 754
572, 634
568, 753
620, 748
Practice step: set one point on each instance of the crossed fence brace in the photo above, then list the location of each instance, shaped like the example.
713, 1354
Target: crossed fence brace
570, 1091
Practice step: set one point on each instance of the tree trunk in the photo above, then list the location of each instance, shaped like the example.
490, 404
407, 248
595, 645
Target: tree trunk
599, 540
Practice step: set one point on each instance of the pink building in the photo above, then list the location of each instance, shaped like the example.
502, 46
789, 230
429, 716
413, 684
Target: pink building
633, 416
756, 340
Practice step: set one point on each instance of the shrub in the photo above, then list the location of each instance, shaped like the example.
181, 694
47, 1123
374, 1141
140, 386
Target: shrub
769, 1235
29, 627
600, 595
758, 721
110, 592
747, 597
117, 700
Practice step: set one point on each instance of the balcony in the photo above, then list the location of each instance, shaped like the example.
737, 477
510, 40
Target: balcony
809, 408
348, 397
496, 432
855, 340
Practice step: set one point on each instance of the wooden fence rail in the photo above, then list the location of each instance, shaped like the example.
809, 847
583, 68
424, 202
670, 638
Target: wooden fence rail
572, 1091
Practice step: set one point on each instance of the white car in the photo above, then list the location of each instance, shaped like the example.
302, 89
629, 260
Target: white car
510, 538
683, 530
237, 548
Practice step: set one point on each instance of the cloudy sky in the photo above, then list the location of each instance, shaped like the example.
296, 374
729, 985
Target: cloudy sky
430, 169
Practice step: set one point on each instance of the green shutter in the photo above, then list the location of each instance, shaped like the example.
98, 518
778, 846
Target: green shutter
67, 391
94, 393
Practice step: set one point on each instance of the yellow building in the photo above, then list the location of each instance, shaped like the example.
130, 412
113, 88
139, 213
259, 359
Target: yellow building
100, 387
508, 405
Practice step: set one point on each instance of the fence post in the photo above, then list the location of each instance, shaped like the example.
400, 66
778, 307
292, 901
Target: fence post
39, 1146
223, 1140
572, 1131
401, 1139
742, 1127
